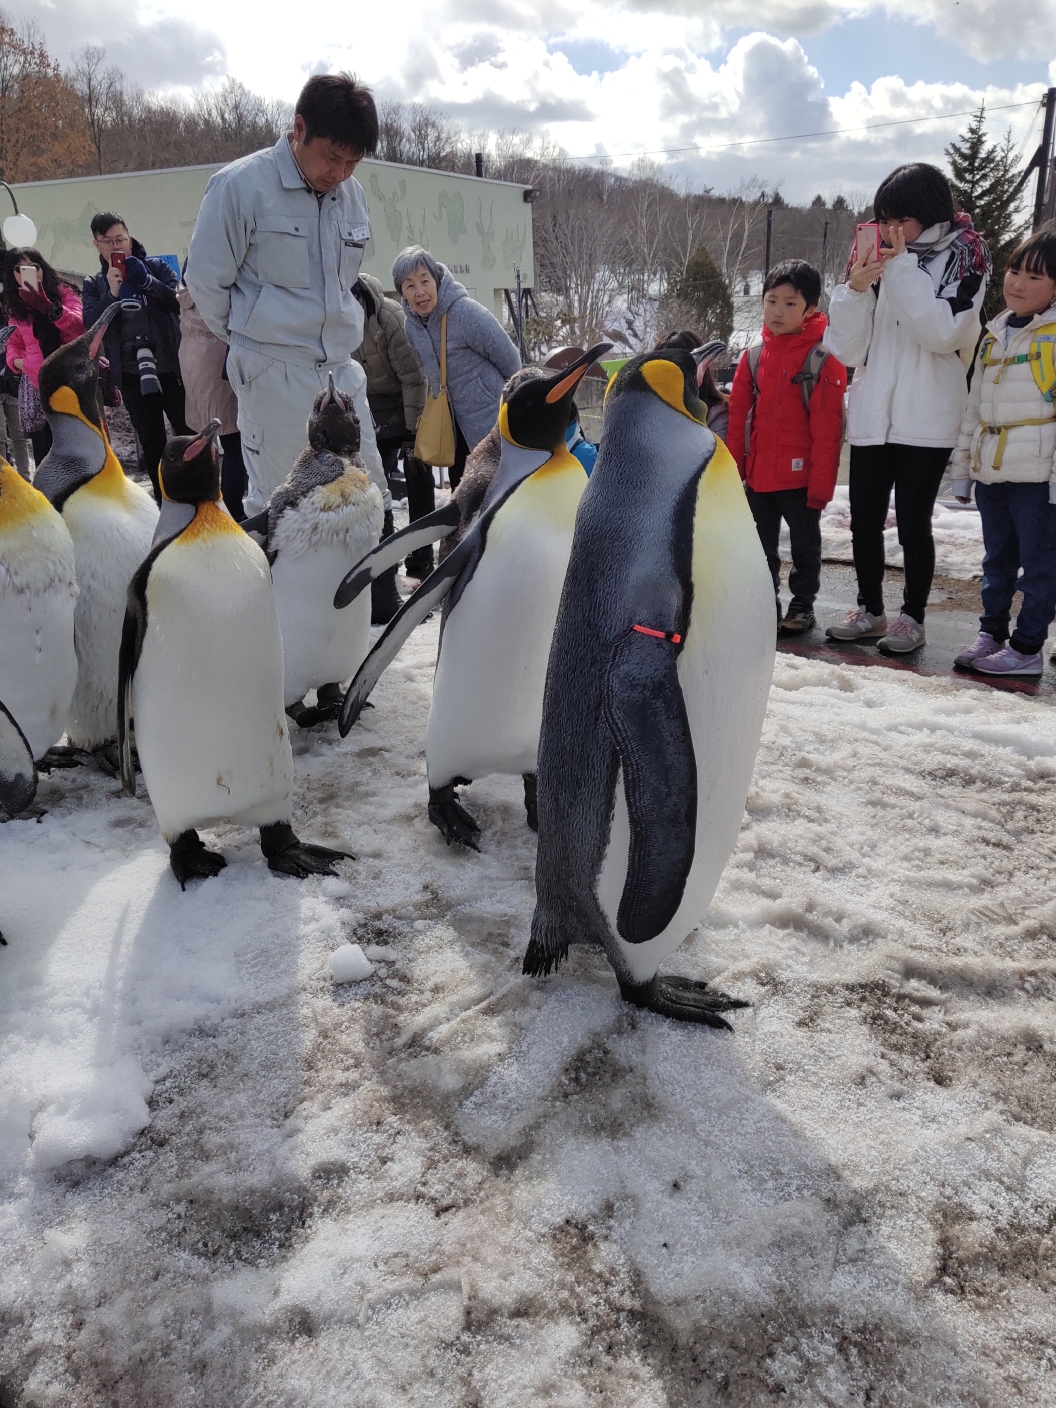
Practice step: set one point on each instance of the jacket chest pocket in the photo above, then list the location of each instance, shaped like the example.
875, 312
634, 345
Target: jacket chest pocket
282, 251
352, 241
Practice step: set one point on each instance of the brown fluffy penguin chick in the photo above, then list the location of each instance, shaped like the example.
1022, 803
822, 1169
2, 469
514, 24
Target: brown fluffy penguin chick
333, 448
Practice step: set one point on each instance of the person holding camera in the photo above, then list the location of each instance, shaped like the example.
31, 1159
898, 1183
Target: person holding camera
143, 341
45, 314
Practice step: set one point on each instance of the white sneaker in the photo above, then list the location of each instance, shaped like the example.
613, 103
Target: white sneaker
858, 624
905, 634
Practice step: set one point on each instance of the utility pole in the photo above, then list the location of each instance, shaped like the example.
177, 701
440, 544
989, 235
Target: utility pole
824, 249
769, 238
1043, 158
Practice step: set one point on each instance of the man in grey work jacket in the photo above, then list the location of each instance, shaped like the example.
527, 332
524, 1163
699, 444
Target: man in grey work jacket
274, 256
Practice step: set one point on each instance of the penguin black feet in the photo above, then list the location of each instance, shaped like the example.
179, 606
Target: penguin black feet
327, 707
531, 804
684, 999
189, 860
105, 758
451, 819
61, 757
287, 855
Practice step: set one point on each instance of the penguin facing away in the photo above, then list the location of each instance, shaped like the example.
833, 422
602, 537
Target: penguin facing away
201, 673
656, 690
38, 598
321, 521
110, 518
500, 588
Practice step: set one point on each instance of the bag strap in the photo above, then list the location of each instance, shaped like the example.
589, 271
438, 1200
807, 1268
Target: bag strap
807, 379
753, 357
443, 353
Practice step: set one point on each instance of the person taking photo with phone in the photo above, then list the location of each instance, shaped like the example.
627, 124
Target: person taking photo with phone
907, 317
45, 313
143, 341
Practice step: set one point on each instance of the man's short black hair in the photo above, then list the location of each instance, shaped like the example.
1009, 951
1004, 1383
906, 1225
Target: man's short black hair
803, 277
106, 220
915, 191
338, 109
1037, 254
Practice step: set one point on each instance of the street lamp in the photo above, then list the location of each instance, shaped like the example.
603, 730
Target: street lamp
19, 230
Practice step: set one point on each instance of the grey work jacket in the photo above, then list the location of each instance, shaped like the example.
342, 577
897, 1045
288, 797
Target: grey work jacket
271, 267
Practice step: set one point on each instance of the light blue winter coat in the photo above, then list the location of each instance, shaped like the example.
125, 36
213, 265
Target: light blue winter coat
480, 356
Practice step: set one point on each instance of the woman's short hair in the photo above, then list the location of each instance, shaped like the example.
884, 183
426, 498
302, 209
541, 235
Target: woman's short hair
686, 340
915, 191
412, 258
340, 110
1037, 254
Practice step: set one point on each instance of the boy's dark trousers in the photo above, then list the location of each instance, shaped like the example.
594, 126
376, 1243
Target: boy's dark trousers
804, 529
1019, 531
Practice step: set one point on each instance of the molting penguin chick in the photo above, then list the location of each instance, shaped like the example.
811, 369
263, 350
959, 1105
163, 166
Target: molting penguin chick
658, 681
322, 520
201, 673
500, 587
110, 519
38, 597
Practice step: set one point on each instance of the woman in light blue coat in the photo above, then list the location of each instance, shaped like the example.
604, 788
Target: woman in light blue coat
480, 356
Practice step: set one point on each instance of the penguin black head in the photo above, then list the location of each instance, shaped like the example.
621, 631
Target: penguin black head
190, 467
669, 373
333, 424
76, 365
534, 414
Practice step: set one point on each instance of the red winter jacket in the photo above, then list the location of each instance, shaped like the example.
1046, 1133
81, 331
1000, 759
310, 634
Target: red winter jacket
788, 449
22, 345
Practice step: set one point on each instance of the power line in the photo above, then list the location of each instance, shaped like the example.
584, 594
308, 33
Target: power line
800, 136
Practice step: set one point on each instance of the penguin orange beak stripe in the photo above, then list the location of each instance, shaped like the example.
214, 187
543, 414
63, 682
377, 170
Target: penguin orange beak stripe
576, 372
195, 448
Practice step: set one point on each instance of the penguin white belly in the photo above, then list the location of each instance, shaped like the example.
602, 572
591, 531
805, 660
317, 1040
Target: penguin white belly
38, 597
725, 671
111, 527
317, 542
487, 704
207, 692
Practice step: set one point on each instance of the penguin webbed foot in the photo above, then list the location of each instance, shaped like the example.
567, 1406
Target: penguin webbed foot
61, 757
189, 860
683, 999
326, 707
287, 855
531, 801
451, 819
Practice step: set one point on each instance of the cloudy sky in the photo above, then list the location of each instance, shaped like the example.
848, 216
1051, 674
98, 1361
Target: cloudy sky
620, 77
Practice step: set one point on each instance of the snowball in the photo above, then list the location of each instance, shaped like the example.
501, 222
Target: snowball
349, 964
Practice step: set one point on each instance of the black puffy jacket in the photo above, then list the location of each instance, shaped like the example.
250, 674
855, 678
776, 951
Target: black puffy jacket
161, 304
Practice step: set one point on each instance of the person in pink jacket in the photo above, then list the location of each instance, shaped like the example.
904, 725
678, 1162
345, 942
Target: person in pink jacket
45, 313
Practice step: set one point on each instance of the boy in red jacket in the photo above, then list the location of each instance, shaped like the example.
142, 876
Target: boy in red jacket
790, 456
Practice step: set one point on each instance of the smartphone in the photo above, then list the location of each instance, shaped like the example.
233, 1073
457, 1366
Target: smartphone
117, 260
30, 276
869, 239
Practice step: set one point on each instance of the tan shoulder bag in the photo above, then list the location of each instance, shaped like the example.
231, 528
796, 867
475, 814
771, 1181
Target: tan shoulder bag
434, 440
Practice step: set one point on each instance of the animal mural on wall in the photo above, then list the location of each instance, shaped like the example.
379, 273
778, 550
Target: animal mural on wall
390, 207
56, 237
454, 207
487, 235
513, 243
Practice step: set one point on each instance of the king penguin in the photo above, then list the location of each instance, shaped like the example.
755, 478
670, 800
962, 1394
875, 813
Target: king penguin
201, 674
18, 774
321, 521
111, 521
500, 588
656, 690
38, 598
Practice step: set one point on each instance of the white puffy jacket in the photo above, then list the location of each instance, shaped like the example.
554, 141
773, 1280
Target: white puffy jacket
911, 350
1000, 396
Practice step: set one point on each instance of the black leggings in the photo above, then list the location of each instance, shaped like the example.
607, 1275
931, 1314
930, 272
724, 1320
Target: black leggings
41, 442
234, 481
915, 473
454, 474
147, 414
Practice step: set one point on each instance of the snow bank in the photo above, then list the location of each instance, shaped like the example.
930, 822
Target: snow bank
958, 537
229, 1179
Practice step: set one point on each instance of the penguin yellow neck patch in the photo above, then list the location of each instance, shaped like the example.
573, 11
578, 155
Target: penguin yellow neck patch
670, 385
19, 501
560, 462
210, 520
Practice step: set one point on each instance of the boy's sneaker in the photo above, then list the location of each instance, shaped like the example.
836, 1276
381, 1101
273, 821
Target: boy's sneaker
905, 634
858, 624
798, 617
983, 645
1008, 661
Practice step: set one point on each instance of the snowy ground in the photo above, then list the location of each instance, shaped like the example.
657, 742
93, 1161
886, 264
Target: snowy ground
231, 1183
957, 531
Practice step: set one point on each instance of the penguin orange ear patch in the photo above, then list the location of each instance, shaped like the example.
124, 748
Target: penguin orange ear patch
666, 379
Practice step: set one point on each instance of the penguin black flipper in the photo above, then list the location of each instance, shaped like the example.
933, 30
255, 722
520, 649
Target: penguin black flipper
646, 715
393, 549
258, 527
132, 635
18, 773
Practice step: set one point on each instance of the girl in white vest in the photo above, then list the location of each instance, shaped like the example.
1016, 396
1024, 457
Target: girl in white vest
1006, 451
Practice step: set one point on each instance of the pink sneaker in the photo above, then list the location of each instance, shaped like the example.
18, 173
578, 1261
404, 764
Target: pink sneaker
983, 645
1010, 662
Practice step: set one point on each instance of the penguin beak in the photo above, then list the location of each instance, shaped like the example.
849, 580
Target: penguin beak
208, 435
705, 355
570, 377
98, 330
331, 391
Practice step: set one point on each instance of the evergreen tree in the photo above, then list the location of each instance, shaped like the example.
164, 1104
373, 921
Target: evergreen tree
706, 292
986, 181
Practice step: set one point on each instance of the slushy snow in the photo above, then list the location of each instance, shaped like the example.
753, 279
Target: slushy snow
231, 1181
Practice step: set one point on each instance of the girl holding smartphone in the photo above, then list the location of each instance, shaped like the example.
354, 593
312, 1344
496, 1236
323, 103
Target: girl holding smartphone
45, 313
909, 322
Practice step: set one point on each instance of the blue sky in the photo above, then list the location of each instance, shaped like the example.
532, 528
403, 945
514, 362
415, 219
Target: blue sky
624, 76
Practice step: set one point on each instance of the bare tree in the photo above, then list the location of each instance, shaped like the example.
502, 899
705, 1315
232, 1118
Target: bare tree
96, 83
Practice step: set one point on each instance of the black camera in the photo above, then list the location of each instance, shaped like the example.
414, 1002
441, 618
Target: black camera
136, 345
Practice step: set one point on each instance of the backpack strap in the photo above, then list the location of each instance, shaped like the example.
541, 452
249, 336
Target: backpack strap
807, 378
753, 356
